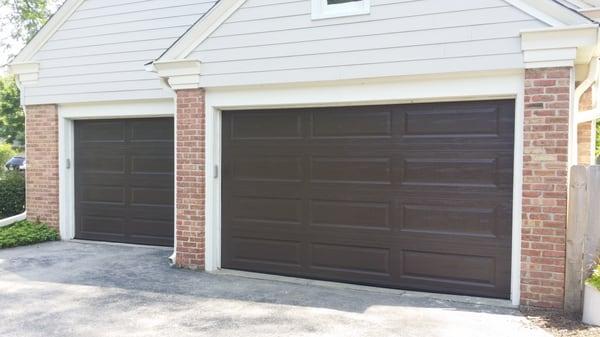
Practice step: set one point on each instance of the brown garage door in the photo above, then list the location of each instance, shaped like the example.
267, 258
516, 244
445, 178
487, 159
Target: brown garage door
405, 196
124, 180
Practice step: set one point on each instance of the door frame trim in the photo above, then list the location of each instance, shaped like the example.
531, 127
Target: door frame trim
67, 115
445, 88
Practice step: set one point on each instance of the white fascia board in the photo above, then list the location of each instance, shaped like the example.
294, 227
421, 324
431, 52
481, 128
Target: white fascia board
186, 44
592, 13
177, 67
542, 55
560, 46
23, 68
54, 23
576, 3
550, 12
560, 37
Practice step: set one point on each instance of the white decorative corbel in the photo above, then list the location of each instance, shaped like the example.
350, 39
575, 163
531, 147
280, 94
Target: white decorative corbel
26, 73
559, 46
179, 74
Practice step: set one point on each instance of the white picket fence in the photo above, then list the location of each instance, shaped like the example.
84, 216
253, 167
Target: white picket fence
13, 219
583, 233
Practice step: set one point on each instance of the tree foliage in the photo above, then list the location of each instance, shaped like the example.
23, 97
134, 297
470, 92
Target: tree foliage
26, 17
12, 118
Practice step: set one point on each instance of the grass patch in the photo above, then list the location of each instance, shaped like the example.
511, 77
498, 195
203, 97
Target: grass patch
594, 280
26, 233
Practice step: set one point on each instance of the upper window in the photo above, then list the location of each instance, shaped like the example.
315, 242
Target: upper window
322, 9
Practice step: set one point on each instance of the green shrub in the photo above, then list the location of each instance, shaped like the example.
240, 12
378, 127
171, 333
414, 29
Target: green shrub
12, 194
6, 152
594, 280
26, 233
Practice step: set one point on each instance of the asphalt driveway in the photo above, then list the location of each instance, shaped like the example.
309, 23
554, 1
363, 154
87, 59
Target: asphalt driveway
74, 289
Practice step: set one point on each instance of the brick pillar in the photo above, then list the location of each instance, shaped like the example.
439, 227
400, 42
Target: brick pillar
41, 141
586, 133
190, 179
545, 159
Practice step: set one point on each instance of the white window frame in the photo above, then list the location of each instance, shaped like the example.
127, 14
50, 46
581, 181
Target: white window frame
322, 10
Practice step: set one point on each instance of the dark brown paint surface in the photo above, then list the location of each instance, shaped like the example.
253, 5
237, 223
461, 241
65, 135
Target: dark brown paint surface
405, 196
124, 180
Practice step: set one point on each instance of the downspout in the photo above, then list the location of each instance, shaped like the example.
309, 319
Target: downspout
591, 79
164, 83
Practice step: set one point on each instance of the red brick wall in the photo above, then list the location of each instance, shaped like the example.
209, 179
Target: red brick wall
585, 132
585, 139
545, 158
41, 135
190, 179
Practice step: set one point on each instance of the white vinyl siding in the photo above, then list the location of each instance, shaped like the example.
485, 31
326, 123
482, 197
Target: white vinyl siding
276, 41
99, 53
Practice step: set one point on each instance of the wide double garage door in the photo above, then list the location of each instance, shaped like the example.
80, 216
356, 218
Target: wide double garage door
124, 180
405, 196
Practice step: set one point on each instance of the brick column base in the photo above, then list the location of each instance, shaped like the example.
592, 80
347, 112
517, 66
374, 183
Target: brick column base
189, 187
41, 141
545, 159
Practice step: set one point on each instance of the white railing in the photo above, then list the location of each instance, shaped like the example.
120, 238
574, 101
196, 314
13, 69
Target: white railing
13, 219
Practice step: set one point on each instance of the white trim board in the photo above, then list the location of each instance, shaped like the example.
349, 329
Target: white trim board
479, 86
69, 113
201, 30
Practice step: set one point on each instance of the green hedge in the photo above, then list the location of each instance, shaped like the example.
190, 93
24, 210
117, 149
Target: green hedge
26, 233
12, 193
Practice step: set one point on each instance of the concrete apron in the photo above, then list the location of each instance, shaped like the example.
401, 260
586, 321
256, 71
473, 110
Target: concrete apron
491, 302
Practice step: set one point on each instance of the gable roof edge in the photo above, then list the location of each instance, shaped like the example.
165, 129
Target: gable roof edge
546, 11
551, 12
212, 20
524, 6
47, 31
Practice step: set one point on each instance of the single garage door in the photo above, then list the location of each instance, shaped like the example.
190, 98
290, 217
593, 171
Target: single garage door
405, 196
124, 180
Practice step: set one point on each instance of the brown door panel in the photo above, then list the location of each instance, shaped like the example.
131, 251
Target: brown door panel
412, 196
124, 180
